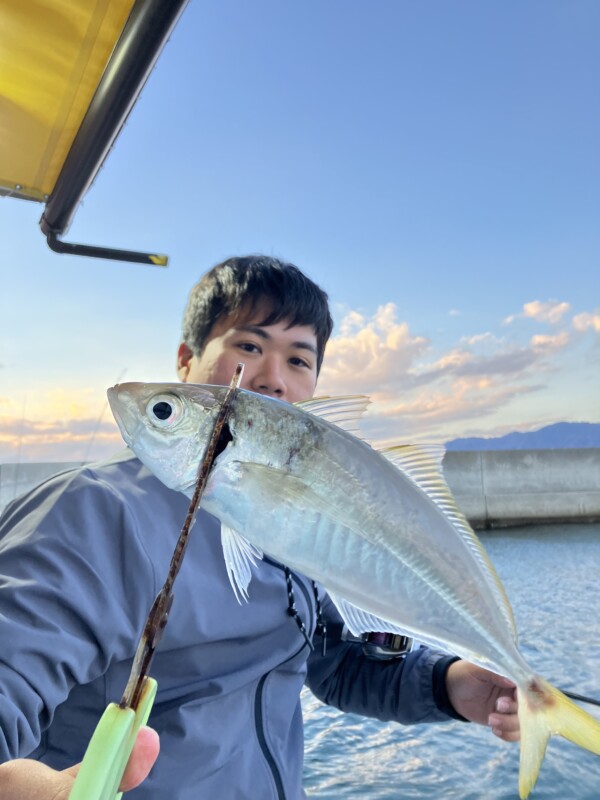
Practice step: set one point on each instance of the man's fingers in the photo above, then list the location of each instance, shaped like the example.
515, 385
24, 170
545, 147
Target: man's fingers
506, 736
500, 680
144, 754
506, 705
504, 722
142, 758
23, 779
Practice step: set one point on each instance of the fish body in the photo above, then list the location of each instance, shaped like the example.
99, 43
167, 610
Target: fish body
379, 530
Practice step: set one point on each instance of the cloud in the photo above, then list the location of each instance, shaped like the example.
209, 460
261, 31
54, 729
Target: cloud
57, 440
510, 362
514, 361
482, 338
587, 321
467, 399
58, 424
351, 322
381, 357
370, 353
429, 416
454, 312
416, 395
419, 388
541, 343
14, 427
551, 311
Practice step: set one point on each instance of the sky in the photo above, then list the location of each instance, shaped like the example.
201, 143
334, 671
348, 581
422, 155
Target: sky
433, 166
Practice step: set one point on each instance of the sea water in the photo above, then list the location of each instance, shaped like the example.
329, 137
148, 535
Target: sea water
552, 577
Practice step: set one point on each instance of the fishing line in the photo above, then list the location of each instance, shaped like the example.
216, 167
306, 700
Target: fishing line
581, 698
86, 456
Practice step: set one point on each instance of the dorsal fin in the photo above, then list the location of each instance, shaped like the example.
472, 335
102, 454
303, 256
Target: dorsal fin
423, 465
345, 412
414, 456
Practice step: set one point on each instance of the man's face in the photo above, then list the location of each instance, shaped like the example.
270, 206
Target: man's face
279, 361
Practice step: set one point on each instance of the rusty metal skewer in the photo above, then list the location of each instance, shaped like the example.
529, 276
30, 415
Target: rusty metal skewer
159, 613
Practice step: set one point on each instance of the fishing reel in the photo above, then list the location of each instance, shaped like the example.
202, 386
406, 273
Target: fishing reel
381, 646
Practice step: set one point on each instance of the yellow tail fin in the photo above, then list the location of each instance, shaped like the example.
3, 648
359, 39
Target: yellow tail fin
544, 711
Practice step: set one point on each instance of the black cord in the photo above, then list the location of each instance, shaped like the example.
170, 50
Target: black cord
292, 610
321, 626
581, 698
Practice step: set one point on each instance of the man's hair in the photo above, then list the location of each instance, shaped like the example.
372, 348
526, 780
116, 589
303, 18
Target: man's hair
247, 283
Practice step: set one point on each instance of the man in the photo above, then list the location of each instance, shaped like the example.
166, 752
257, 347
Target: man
86, 552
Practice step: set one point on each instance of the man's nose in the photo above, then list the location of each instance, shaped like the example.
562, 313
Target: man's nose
269, 378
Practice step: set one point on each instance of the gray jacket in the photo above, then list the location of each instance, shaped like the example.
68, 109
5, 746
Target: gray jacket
81, 560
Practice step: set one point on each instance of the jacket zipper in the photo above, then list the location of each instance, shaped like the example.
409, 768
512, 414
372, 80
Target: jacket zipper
258, 715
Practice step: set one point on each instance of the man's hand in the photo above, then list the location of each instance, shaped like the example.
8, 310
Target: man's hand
480, 696
24, 779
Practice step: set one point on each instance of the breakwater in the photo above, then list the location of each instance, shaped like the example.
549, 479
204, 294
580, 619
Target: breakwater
497, 488
493, 488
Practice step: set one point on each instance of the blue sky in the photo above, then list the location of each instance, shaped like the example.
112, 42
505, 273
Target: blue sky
433, 165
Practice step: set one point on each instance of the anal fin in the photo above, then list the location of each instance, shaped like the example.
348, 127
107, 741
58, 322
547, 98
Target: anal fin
359, 621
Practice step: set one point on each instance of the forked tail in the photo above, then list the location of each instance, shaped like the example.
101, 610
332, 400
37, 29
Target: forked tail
544, 711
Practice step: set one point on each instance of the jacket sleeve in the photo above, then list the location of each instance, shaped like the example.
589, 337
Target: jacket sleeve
67, 604
406, 690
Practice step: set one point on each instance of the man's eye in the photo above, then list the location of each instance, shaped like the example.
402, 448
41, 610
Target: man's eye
249, 347
299, 362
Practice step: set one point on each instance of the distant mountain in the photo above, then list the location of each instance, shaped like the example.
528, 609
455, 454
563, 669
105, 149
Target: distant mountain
561, 434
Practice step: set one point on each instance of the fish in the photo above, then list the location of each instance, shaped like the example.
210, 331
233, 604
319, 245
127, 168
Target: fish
378, 529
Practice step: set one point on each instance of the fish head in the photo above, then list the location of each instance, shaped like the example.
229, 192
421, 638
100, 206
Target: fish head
168, 426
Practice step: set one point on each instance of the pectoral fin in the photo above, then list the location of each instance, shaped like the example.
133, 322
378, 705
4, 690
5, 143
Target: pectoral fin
240, 556
272, 487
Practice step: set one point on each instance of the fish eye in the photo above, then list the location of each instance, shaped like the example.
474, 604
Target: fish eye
164, 410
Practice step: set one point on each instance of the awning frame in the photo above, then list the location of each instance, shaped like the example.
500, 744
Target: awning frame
144, 35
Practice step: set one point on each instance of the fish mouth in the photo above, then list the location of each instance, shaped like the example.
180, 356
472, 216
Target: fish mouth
119, 401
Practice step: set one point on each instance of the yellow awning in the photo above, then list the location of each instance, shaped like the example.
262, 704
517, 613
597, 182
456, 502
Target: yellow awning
53, 54
70, 73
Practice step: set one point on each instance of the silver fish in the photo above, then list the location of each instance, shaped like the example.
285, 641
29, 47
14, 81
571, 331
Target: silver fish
379, 530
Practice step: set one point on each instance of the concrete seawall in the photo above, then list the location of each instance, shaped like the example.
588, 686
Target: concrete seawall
493, 488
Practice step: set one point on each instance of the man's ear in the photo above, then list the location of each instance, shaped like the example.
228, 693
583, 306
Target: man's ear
184, 356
